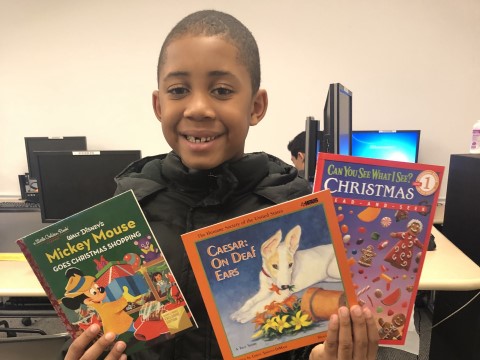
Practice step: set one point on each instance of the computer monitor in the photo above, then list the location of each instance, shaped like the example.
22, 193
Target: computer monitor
399, 145
336, 136
33, 144
337, 120
313, 145
71, 181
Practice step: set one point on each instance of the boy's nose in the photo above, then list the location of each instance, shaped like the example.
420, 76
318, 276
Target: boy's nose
199, 107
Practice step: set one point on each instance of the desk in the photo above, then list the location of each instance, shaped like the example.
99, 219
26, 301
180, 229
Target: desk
21, 283
14, 225
446, 268
16, 277
439, 214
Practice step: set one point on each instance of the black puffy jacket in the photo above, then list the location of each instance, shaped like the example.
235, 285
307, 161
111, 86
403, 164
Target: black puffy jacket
176, 200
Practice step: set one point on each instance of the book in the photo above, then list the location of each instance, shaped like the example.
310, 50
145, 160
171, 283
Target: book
271, 279
104, 265
385, 211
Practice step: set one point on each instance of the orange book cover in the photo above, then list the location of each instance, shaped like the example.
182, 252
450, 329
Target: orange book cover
271, 279
385, 211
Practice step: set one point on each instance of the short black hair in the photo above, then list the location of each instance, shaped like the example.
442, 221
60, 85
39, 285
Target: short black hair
216, 23
297, 144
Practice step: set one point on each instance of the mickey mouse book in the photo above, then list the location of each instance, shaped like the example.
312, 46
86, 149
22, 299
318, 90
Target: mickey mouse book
103, 265
385, 211
271, 279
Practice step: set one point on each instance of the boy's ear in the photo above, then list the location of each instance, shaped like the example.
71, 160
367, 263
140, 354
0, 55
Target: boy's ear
301, 156
156, 105
259, 107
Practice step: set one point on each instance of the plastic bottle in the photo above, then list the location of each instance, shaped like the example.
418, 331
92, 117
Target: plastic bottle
475, 146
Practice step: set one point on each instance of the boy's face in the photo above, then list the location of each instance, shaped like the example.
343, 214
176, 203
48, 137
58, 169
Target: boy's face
299, 161
205, 101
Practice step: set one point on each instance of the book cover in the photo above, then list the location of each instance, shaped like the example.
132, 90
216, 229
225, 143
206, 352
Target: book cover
385, 211
103, 265
271, 279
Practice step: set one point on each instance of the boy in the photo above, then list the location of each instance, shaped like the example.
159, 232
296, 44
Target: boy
297, 150
208, 96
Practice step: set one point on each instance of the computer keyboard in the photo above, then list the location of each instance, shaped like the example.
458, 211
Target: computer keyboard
11, 206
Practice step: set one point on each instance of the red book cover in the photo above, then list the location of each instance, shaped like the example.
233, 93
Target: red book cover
271, 279
385, 211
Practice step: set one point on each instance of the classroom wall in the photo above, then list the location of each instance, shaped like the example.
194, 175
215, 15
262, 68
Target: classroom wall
88, 68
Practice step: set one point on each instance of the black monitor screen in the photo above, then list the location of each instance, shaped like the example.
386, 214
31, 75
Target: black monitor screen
33, 144
344, 121
337, 120
336, 136
71, 181
399, 145
313, 145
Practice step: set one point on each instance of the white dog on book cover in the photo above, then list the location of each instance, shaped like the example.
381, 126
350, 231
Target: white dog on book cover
285, 271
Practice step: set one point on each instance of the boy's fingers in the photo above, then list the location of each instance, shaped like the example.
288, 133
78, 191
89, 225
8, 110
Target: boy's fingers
345, 341
351, 335
360, 335
318, 353
117, 352
372, 332
330, 346
81, 349
99, 346
80, 344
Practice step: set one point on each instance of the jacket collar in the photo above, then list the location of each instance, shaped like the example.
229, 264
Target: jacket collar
214, 186
253, 171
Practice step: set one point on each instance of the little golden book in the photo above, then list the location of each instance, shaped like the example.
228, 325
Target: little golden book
385, 211
271, 279
103, 265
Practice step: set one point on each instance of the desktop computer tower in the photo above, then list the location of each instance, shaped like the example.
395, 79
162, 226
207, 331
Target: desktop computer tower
458, 337
28, 188
23, 183
461, 224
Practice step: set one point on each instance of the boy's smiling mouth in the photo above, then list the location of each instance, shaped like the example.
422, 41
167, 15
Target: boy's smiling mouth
196, 140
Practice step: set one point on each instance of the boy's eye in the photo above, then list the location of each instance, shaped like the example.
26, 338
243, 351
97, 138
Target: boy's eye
177, 91
222, 91
93, 292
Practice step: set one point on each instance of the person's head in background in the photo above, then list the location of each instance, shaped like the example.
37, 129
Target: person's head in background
209, 89
297, 150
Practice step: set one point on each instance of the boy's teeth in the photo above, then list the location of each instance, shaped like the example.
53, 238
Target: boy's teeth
194, 139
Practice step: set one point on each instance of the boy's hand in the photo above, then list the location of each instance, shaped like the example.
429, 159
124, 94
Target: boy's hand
352, 335
79, 348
